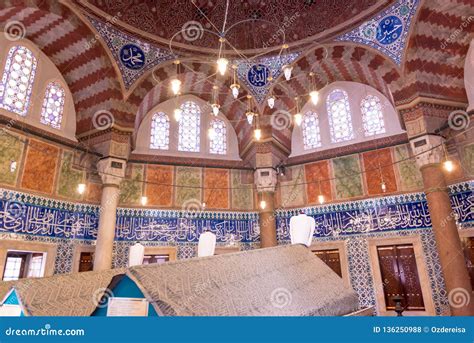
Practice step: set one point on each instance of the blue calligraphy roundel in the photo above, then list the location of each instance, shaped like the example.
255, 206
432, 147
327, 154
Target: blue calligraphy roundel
389, 29
132, 56
258, 75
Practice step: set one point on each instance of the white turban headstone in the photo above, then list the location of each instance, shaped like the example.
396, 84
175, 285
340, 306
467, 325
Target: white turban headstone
302, 229
136, 254
207, 244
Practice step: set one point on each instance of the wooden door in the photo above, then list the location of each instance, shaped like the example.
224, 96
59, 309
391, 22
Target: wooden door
331, 258
400, 276
86, 261
469, 255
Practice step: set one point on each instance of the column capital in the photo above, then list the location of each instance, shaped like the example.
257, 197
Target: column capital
111, 170
428, 149
265, 180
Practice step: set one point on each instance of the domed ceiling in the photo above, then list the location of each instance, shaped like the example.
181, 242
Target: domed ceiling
251, 24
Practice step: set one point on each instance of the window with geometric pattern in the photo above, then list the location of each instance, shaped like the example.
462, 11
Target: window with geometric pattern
160, 131
53, 105
339, 113
372, 116
189, 127
311, 135
17, 80
218, 138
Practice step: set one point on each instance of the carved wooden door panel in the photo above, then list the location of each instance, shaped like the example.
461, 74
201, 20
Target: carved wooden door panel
400, 276
331, 258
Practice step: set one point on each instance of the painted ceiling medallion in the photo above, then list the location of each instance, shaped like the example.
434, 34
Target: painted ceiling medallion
388, 31
298, 19
133, 56
256, 75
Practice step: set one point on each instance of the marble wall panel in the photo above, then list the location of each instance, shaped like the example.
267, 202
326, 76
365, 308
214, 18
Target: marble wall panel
216, 188
378, 166
158, 189
348, 180
318, 181
40, 167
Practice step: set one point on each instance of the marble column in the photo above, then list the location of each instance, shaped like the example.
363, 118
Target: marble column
429, 156
112, 172
265, 179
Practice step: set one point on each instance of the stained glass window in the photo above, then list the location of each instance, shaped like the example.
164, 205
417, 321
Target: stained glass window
218, 137
17, 80
310, 126
160, 131
53, 105
189, 127
372, 116
339, 113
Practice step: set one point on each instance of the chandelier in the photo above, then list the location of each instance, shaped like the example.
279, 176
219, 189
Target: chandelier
222, 63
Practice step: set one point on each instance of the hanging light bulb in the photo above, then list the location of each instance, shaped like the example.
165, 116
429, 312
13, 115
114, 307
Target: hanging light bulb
383, 186
81, 188
448, 166
287, 69
271, 101
222, 65
235, 90
177, 114
258, 134
298, 119
144, 200
175, 86
211, 133
249, 115
263, 204
321, 199
314, 95
215, 109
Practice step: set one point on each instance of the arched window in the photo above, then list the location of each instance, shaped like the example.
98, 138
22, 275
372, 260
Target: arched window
53, 105
217, 137
17, 80
189, 127
339, 113
310, 126
372, 115
160, 131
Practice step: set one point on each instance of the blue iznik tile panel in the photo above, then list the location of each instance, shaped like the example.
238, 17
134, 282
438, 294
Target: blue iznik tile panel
255, 73
21, 213
183, 227
133, 56
388, 31
390, 213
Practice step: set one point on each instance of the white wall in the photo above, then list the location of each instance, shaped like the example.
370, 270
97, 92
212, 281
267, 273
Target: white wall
356, 92
142, 144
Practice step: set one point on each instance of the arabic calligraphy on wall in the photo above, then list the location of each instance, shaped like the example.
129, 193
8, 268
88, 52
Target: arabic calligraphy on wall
26, 214
403, 212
